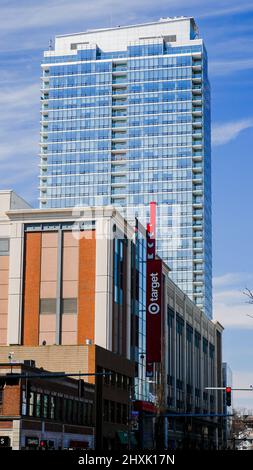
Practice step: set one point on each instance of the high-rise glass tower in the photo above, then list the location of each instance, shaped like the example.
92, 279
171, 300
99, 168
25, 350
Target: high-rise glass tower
125, 121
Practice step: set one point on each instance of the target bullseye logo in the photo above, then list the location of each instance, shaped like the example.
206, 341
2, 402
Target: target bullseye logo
153, 308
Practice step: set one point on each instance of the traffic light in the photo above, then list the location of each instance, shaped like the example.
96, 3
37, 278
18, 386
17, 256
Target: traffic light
43, 444
228, 396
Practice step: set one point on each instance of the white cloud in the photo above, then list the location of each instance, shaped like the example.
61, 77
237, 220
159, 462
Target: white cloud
230, 279
20, 96
58, 12
230, 313
225, 132
226, 67
227, 10
229, 303
44, 14
19, 135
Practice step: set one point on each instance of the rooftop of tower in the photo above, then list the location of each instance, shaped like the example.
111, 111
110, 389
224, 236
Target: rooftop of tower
168, 19
178, 29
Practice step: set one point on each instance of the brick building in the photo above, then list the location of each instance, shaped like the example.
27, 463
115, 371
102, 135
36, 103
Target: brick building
73, 298
37, 411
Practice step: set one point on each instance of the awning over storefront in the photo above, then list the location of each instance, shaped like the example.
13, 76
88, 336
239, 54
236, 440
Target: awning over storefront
140, 405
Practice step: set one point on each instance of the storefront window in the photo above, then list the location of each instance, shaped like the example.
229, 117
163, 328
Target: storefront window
45, 406
52, 407
38, 405
24, 403
31, 404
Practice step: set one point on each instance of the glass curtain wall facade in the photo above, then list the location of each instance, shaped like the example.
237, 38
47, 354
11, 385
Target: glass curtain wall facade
131, 126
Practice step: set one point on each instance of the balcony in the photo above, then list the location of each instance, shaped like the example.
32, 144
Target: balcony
197, 66
119, 173
197, 190
119, 103
197, 89
119, 157
197, 236
118, 113
197, 204
44, 112
117, 73
197, 180
119, 124
120, 135
44, 130
198, 280
119, 191
119, 146
198, 269
118, 181
197, 169
197, 225
119, 68
197, 144
197, 247
197, 257
197, 100
119, 79
196, 77
197, 133
197, 111
197, 125
197, 217
119, 91
119, 178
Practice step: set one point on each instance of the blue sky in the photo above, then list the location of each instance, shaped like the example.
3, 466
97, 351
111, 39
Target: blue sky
25, 30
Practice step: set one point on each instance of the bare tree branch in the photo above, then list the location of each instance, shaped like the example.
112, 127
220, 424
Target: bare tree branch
248, 294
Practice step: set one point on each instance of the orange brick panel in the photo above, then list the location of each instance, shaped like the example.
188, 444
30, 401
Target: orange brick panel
11, 400
32, 289
86, 289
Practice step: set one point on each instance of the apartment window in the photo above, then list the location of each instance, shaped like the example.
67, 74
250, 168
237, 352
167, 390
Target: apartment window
4, 246
47, 306
74, 45
171, 38
69, 306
